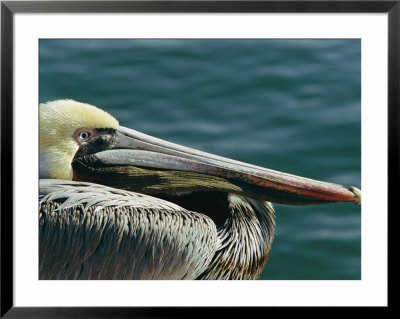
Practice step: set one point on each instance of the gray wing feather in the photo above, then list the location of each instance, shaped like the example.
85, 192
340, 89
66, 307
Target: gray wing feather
89, 231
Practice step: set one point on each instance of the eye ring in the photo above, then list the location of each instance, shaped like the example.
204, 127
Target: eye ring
84, 135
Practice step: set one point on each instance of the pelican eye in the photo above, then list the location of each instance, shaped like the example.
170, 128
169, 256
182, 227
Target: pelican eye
84, 135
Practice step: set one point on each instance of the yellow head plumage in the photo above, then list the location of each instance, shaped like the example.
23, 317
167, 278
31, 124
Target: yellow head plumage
58, 121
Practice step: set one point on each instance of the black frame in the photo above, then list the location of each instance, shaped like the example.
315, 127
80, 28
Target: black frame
8, 8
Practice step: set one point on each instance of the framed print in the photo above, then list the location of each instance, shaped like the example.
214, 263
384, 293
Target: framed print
158, 133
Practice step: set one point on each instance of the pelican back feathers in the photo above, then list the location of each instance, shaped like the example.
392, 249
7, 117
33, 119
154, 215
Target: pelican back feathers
89, 231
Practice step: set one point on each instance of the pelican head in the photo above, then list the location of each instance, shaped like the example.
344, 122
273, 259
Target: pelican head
79, 141
65, 127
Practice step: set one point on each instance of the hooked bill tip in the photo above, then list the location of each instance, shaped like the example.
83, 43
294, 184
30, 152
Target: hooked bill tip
357, 194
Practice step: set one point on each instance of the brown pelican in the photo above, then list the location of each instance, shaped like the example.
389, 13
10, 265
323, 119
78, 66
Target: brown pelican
118, 204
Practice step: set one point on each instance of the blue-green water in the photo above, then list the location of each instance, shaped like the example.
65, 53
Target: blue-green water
289, 105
